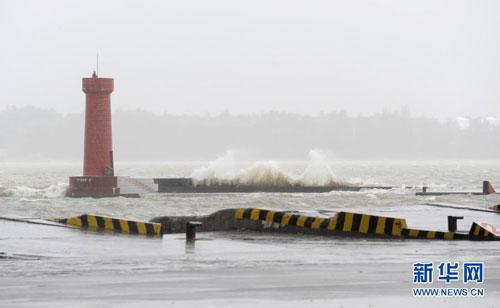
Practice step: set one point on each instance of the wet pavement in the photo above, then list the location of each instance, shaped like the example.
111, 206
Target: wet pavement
49, 266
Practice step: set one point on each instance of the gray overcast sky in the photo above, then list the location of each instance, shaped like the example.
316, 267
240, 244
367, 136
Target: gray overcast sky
440, 58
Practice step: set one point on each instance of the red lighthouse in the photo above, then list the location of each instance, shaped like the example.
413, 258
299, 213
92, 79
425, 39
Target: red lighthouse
98, 178
98, 153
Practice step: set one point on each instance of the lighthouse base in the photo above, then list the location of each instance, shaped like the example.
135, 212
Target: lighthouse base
93, 186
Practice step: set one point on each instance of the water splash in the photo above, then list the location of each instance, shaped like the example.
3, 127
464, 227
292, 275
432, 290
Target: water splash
318, 171
217, 170
226, 170
52, 191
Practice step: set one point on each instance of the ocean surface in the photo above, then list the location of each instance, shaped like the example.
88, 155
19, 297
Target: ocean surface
37, 189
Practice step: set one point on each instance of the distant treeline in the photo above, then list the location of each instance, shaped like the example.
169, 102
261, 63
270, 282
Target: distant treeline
34, 134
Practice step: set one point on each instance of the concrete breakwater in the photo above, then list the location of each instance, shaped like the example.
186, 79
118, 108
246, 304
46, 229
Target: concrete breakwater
340, 224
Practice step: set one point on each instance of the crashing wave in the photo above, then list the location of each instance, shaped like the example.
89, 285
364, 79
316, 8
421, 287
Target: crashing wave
52, 191
225, 171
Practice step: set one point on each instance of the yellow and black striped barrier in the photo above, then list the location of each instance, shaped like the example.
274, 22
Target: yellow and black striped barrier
361, 223
433, 235
478, 232
102, 223
342, 221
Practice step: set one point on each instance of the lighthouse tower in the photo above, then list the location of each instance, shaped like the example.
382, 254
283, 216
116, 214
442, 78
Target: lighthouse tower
98, 178
98, 152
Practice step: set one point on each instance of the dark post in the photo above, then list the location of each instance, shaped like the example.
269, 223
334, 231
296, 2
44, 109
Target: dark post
452, 222
191, 229
424, 189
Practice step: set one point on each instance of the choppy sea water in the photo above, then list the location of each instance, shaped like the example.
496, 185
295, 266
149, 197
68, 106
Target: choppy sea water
37, 190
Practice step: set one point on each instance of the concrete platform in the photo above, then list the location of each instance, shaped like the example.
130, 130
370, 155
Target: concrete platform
188, 186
